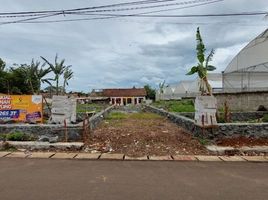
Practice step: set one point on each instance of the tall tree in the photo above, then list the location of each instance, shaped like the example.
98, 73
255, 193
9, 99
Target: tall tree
203, 66
67, 75
58, 69
150, 92
2, 65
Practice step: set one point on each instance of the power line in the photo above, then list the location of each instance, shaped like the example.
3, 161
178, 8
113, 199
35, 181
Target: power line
147, 7
185, 16
87, 8
117, 16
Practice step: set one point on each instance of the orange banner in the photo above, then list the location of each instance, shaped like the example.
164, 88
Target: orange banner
21, 108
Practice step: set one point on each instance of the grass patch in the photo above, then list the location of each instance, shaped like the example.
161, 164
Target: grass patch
144, 116
83, 108
117, 115
176, 106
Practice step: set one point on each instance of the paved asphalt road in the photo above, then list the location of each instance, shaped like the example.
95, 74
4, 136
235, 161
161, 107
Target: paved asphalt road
33, 179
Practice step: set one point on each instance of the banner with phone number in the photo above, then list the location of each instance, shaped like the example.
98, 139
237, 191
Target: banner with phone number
21, 108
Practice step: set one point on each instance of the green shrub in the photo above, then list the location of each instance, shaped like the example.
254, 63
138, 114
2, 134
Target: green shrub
265, 118
18, 136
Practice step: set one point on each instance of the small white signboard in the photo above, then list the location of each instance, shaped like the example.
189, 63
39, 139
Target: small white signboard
205, 111
63, 108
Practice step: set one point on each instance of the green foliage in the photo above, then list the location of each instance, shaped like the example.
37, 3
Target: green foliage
138, 115
176, 106
162, 86
204, 141
18, 136
58, 68
83, 108
265, 118
150, 92
202, 68
117, 116
144, 115
67, 75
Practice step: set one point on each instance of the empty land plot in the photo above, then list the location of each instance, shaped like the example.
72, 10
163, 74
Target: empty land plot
139, 134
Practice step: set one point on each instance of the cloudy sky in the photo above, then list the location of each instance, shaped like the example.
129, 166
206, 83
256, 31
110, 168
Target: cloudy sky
129, 51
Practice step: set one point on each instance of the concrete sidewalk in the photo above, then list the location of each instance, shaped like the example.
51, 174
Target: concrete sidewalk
118, 157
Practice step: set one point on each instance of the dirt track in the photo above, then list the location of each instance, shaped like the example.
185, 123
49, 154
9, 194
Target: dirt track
143, 134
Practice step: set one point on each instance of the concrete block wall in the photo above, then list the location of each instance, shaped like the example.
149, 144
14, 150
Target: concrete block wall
244, 101
256, 130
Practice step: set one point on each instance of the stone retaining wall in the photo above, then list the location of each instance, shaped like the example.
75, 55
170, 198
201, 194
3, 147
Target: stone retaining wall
95, 120
75, 132
235, 116
255, 130
48, 130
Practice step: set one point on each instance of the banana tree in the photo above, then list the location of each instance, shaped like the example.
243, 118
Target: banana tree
203, 66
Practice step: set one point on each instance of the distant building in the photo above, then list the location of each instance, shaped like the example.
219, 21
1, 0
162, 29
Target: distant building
125, 96
189, 88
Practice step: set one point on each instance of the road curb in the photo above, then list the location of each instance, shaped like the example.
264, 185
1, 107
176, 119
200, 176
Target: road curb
122, 157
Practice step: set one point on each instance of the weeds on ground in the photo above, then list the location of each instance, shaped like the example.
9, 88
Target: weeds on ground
203, 141
176, 105
117, 116
17, 136
83, 108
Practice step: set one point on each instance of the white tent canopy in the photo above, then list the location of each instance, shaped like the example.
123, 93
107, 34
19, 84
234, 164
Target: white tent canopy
248, 71
188, 88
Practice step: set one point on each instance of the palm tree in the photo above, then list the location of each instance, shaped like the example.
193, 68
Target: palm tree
203, 66
58, 69
67, 75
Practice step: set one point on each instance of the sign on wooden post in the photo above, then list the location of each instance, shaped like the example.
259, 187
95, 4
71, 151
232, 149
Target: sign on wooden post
21, 108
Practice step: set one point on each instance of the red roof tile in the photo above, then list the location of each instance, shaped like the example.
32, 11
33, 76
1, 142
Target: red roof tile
133, 92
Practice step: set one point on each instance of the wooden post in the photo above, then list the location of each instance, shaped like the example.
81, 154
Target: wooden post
65, 131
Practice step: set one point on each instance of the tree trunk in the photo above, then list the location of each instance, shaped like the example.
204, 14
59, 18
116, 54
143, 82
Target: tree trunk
207, 86
57, 86
31, 85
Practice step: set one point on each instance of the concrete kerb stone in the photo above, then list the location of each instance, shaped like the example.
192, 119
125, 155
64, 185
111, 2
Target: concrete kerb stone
143, 158
255, 158
17, 155
208, 158
161, 158
184, 158
64, 155
4, 153
88, 156
107, 156
41, 155
232, 158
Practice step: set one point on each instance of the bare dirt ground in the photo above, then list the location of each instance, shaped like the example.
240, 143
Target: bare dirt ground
243, 141
141, 134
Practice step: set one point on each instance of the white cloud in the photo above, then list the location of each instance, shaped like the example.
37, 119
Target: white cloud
129, 51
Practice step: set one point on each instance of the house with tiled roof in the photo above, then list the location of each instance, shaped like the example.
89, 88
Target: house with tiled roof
124, 96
